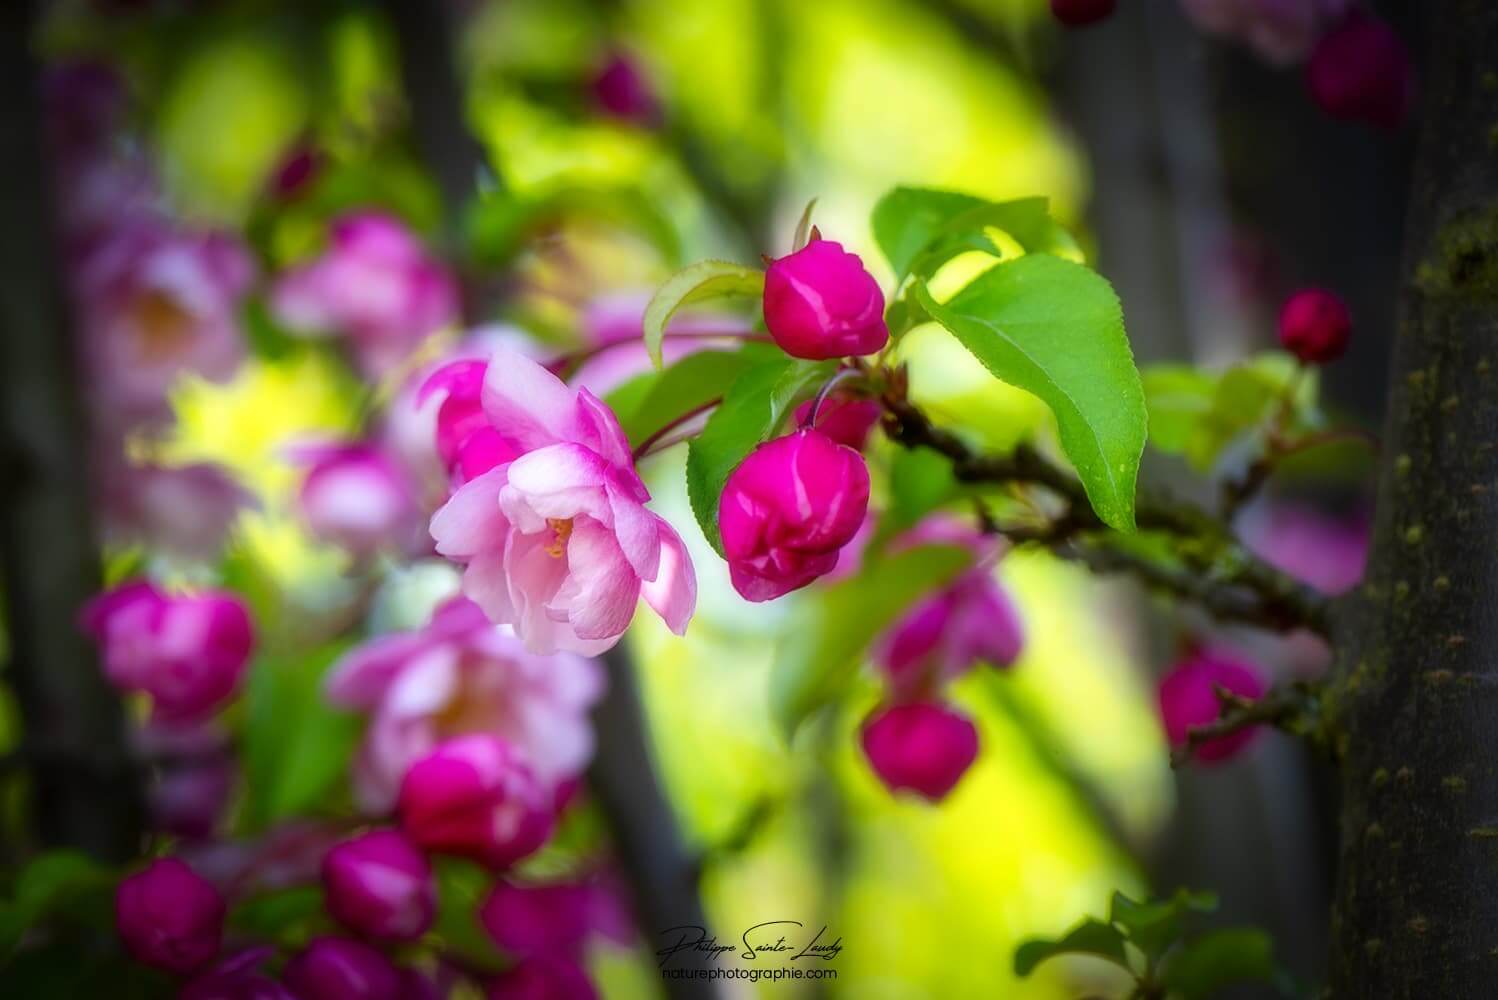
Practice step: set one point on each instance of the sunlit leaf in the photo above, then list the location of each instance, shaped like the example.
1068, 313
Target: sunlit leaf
750, 414
701, 282
1055, 329
920, 229
1090, 937
1155, 925
1178, 397
835, 624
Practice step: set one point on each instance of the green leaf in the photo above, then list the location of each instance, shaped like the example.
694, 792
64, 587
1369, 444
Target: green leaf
750, 414
919, 229
287, 916
461, 889
1155, 925
297, 746
501, 224
701, 282
1219, 959
1249, 396
1179, 397
920, 480
833, 625
50, 883
1055, 329
1090, 937
650, 403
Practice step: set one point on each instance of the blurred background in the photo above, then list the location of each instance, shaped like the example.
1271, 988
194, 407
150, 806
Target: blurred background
570, 155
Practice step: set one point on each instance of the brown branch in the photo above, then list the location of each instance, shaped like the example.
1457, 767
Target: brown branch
1292, 708
1229, 583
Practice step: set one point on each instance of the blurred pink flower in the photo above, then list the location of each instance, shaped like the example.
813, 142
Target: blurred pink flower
463, 675
613, 328
622, 91
237, 977
1188, 698
188, 652
184, 511
357, 497
1326, 552
1280, 31
972, 620
788, 509
555, 919
379, 885
923, 747
375, 284
474, 796
333, 968
156, 304
1361, 71
558, 542
544, 977
169, 917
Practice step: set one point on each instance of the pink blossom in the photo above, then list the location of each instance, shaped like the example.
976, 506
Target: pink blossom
972, 620
187, 652
332, 968
544, 977
375, 284
156, 304
788, 509
1188, 698
558, 542
1315, 326
1361, 71
379, 885
188, 798
1281, 31
357, 497
475, 796
924, 747
169, 917
463, 675
820, 303
1326, 552
183, 511
553, 919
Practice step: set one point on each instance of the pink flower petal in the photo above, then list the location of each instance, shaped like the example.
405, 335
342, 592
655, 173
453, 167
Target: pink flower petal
673, 591
471, 520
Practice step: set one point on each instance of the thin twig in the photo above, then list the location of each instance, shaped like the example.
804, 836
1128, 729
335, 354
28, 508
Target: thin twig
1288, 708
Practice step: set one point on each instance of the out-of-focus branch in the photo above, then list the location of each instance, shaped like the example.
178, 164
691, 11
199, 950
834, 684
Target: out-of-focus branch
1291, 708
1236, 586
85, 795
661, 872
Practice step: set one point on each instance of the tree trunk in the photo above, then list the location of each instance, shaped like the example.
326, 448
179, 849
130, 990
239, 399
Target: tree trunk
1415, 708
85, 792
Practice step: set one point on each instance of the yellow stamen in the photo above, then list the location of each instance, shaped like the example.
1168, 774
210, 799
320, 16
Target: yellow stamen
561, 530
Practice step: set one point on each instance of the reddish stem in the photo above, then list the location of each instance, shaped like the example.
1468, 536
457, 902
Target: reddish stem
644, 447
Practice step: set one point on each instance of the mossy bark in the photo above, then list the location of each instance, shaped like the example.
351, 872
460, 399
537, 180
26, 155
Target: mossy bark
1415, 703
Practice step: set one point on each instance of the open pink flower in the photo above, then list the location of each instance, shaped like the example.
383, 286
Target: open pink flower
156, 304
376, 284
184, 511
461, 675
558, 542
187, 652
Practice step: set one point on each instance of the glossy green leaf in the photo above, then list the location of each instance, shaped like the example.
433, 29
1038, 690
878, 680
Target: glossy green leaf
652, 401
1218, 959
1055, 329
297, 746
919, 229
750, 414
1090, 937
834, 625
701, 282
1155, 925
461, 889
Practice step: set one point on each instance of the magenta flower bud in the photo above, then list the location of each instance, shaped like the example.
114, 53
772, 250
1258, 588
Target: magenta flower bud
1079, 13
920, 746
945, 635
1361, 71
237, 978
787, 510
333, 968
474, 796
169, 917
539, 919
381, 886
847, 420
820, 303
544, 977
187, 652
622, 91
1188, 698
1315, 326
